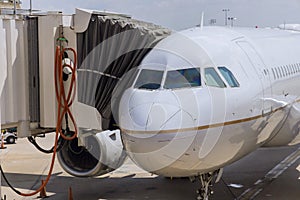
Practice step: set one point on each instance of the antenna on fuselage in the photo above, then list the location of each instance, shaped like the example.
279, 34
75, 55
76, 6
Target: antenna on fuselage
202, 21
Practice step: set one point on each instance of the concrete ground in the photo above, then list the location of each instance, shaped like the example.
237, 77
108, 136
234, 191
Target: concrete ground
25, 167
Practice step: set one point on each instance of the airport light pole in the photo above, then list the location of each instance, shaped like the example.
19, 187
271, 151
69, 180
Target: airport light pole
30, 8
15, 7
231, 19
212, 22
226, 10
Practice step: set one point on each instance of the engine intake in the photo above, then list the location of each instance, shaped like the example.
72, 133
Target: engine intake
100, 154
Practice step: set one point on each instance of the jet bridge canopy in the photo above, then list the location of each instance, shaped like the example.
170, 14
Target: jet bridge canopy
111, 46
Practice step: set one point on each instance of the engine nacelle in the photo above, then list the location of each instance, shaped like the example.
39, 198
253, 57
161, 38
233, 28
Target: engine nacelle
101, 153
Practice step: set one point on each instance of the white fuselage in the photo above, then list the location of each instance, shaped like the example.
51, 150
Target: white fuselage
186, 130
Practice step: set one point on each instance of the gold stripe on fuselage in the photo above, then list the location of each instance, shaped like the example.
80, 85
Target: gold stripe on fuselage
205, 126
193, 128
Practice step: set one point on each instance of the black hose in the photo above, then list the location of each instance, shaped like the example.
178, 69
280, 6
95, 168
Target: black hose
14, 189
60, 144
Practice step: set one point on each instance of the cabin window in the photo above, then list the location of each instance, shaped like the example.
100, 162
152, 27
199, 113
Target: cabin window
229, 77
277, 75
282, 71
280, 74
212, 78
285, 70
265, 72
183, 78
273, 73
149, 79
283, 74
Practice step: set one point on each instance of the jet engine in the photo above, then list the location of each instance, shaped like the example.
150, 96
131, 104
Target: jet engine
92, 154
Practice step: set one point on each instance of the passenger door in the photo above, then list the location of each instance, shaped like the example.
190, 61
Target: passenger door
262, 72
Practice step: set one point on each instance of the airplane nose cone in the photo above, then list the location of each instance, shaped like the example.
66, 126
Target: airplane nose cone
139, 116
147, 113
152, 124
152, 120
159, 115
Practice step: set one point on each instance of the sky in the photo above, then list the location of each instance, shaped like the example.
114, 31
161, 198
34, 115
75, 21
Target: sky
182, 14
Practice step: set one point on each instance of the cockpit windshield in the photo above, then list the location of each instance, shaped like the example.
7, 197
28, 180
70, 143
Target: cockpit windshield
212, 78
183, 78
228, 75
149, 79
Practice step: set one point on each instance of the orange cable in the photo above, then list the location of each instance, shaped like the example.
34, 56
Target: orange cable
63, 107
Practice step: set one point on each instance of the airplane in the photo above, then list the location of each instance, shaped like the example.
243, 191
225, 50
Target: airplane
206, 97
201, 98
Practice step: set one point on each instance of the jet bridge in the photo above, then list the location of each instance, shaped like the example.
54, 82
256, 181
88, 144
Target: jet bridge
111, 46
108, 46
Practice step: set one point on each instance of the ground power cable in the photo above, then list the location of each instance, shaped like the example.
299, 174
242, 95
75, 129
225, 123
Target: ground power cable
64, 103
60, 144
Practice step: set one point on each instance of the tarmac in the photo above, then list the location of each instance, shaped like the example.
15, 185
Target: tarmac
266, 174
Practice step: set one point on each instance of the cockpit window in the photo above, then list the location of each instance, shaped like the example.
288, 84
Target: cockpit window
229, 77
212, 78
149, 79
183, 78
